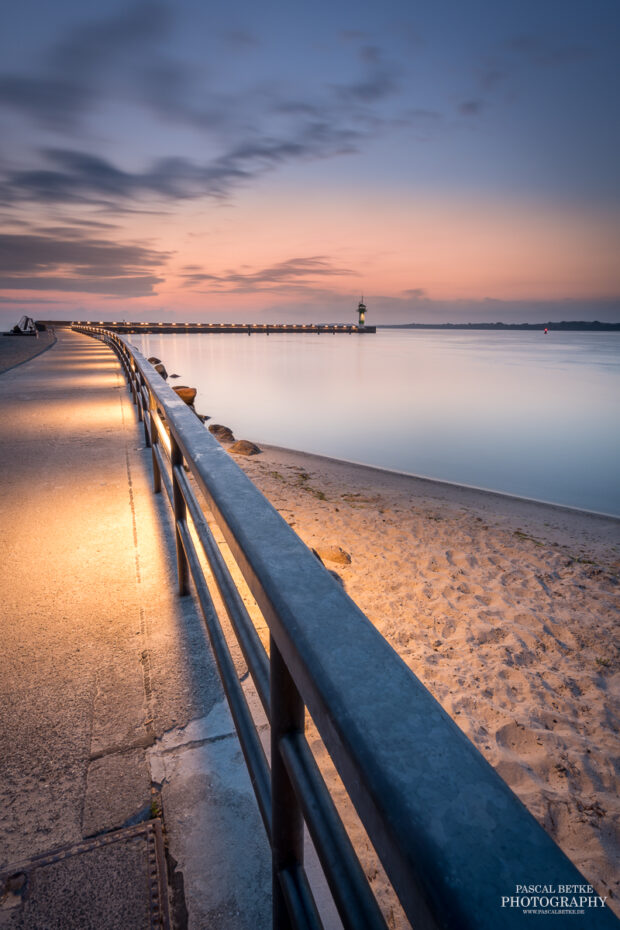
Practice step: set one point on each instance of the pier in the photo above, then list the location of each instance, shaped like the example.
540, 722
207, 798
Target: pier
125, 328
137, 693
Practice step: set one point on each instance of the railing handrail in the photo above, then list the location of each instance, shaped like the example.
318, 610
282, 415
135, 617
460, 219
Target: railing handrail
453, 838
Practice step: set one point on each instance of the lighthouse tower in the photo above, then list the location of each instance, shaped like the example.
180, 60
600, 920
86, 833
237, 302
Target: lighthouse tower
361, 309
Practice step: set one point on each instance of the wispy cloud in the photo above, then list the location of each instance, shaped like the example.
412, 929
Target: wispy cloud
68, 83
518, 55
248, 131
38, 262
379, 80
300, 273
471, 107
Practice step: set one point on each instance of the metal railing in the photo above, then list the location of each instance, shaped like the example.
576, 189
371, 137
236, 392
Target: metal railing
453, 838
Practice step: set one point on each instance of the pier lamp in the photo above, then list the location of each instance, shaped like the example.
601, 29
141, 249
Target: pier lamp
361, 309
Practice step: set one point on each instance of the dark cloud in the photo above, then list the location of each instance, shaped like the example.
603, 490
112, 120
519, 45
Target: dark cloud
248, 131
38, 262
78, 177
415, 293
190, 280
67, 85
22, 300
300, 273
90, 224
471, 107
524, 52
100, 44
420, 114
241, 38
353, 35
126, 286
546, 51
63, 232
491, 76
378, 81
74, 177
54, 102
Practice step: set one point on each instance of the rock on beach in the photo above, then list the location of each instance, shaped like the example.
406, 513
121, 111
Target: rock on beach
187, 394
223, 433
333, 554
244, 447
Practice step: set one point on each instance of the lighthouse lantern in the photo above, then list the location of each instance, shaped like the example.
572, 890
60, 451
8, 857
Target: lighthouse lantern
361, 309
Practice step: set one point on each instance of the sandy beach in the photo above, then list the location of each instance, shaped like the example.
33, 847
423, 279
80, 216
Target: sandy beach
15, 350
505, 609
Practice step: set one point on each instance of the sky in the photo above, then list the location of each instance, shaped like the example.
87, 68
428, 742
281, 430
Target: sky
236, 161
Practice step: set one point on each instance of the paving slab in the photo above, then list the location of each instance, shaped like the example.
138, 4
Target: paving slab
99, 657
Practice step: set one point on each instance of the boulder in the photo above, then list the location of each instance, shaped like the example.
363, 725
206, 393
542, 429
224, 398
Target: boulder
223, 433
154, 360
185, 393
244, 447
160, 368
174, 376
203, 417
333, 554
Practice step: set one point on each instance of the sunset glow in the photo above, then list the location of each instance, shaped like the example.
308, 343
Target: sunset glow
165, 162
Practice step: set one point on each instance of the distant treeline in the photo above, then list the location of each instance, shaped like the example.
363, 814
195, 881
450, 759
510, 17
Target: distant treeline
574, 325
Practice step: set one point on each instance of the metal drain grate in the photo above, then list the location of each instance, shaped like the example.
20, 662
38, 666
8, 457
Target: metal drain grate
111, 882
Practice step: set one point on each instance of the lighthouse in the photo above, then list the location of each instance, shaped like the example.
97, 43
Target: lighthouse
361, 309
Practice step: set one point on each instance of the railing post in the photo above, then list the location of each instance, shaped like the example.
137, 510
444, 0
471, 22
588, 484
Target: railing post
132, 380
287, 832
145, 416
154, 441
180, 514
138, 381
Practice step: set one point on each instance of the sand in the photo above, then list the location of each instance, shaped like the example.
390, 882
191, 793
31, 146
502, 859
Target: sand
505, 609
15, 350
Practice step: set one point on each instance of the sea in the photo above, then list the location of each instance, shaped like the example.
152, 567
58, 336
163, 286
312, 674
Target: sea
524, 413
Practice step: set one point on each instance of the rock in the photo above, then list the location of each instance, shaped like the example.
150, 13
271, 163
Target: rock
223, 433
185, 393
161, 370
154, 360
333, 554
244, 447
174, 376
203, 417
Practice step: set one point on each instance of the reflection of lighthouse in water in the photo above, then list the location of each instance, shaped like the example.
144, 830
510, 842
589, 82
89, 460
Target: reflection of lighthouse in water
361, 309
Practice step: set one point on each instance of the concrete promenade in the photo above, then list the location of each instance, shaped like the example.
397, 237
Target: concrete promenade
110, 705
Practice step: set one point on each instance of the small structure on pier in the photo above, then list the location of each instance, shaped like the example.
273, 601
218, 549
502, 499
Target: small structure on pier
361, 309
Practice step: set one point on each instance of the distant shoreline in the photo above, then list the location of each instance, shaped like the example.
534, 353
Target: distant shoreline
581, 326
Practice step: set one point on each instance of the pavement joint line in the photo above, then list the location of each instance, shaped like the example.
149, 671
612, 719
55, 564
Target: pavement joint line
143, 742
197, 743
145, 661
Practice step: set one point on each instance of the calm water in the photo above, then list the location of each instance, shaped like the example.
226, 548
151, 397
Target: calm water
533, 415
